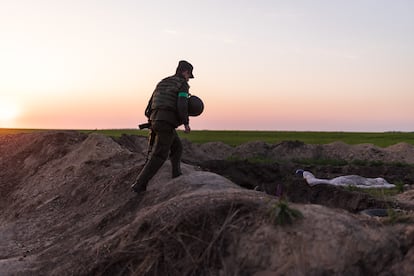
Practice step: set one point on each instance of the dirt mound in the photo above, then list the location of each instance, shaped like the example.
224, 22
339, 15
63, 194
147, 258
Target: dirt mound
67, 209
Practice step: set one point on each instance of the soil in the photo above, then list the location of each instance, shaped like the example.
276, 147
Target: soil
67, 209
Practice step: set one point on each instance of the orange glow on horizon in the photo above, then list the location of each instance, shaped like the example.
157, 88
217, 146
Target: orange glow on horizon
9, 112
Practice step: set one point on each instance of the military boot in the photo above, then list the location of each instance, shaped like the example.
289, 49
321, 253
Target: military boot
139, 187
176, 171
149, 170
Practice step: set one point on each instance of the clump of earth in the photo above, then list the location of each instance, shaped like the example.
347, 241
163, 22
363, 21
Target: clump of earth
67, 209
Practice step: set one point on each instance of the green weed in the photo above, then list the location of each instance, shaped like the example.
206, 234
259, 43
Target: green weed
281, 214
395, 216
399, 186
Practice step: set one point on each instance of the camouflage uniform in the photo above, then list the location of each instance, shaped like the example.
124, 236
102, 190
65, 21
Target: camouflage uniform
166, 111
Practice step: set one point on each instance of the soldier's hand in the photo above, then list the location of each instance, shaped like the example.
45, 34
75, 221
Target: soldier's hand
187, 128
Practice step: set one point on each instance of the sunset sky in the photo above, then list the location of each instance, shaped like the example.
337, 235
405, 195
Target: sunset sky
317, 65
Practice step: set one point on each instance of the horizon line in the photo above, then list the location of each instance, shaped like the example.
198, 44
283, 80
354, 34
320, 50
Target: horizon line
228, 130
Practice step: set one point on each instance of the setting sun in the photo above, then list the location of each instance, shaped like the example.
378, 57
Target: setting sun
270, 65
9, 111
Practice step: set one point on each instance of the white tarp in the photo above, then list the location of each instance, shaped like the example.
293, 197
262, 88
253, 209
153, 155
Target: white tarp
347, 180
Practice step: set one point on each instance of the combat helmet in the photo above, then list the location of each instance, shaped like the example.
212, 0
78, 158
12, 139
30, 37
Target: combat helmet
195, 106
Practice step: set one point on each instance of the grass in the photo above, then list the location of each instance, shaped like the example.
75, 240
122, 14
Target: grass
395, 217
7, 131
234, 138
377, 193
384, 194
280, 213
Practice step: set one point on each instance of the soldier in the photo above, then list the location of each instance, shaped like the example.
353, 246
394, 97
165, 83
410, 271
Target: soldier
166, 110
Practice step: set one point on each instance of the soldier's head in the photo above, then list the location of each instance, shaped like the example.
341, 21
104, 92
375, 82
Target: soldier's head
185, 69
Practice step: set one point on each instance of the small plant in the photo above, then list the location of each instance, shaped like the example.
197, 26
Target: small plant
399, 186
281, 214
392, 215
396, 216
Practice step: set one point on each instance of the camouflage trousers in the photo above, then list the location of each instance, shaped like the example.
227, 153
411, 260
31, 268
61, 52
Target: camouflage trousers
166, 144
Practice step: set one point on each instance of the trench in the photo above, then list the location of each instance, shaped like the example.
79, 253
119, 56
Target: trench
280, 179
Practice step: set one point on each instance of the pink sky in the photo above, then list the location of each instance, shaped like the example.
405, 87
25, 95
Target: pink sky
337, 65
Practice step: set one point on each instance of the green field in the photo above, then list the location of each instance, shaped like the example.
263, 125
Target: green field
234, 138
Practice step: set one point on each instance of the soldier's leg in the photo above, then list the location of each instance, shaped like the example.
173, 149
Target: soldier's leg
164, 135
175, 155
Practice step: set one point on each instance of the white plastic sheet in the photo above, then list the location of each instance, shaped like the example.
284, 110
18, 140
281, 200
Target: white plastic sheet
347, 180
